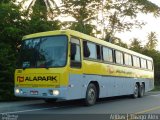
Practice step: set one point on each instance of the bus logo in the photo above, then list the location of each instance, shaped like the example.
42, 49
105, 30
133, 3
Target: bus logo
20, 79
42, 78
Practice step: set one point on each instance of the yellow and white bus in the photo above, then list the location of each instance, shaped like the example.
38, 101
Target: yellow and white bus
69, 65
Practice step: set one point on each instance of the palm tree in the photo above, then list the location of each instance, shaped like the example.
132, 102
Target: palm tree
152, 41
136, 45
48, 7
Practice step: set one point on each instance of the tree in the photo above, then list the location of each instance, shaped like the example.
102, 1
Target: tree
121, 15
11, 34
112, 15
136, 45
156, 58
10, 24
46, 7
116, 41
83, 11
148, 51
152, 41
7, 62
5, 1
13, 26
36, 23
39, 20
7, 68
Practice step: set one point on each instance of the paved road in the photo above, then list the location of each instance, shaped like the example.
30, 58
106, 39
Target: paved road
149, 104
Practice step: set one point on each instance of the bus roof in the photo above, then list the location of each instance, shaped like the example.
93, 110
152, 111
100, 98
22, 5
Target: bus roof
85, 37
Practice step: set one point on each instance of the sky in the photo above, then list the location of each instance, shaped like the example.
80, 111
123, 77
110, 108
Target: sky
152, 24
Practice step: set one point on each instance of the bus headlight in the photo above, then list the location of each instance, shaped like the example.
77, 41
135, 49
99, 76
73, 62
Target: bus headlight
17, 91
55, 92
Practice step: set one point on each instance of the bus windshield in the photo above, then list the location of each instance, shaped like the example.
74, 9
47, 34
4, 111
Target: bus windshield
44, 52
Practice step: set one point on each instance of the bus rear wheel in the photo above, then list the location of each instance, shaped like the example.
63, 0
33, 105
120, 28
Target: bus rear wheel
136, 91
141, 91
91, 95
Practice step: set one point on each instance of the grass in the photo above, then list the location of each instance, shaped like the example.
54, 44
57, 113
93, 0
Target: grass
156, 88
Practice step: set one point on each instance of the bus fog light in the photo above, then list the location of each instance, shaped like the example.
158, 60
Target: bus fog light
56, 92
17, 91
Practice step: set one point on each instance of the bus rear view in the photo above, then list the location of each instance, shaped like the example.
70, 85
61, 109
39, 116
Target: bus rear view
42, 70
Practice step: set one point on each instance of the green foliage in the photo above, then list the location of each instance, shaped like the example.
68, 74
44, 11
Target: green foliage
156, 58
147, 7
116, 41
83, 11
10, 24
149, 50
122, 44
81, 27
122, 14
152, 41
5, 1
115, 15
7, 62
39, 10
10, 32
156, 88
7, 90
13, 25
7, 67
47, 9
38, 19
136, 45
146, 50
37, 25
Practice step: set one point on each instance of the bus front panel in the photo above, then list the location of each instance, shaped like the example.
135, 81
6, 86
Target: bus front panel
42, 67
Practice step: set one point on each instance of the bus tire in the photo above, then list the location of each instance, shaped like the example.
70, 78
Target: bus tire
136, 91
91, 95
141, 91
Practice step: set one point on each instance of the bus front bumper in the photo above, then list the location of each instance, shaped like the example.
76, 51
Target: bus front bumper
57, 93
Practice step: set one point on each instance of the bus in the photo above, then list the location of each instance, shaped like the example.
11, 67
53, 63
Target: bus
69, 65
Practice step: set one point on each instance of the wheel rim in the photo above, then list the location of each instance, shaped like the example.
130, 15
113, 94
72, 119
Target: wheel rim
91, 95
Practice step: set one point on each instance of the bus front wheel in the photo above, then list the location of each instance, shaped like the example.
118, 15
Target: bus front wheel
91, 95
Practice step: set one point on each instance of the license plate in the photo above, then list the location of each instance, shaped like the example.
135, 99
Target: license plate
34, 92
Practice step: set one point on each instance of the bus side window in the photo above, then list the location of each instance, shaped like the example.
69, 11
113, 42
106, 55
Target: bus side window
150, 65
98, 52
136, 62
86, 51
119, 57
128, 59
143, 63
75, 53
107, 54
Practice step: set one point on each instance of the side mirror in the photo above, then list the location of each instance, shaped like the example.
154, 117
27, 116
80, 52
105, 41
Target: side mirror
19, 48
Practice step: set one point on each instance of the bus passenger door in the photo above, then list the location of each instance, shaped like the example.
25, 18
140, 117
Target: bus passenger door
75, 72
